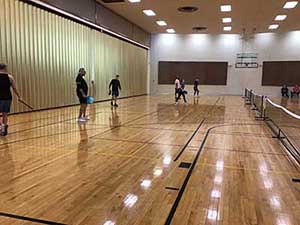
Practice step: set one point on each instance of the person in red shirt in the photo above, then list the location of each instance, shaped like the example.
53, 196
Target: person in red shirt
296, 90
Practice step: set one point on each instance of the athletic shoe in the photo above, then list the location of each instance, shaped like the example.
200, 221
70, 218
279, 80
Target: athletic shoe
4, 130
81, 120
86, 118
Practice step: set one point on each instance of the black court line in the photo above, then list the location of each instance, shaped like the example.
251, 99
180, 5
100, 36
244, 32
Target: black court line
54, 123
195, 132
35, 220
296, 180
189, 141
188, 176
172, 188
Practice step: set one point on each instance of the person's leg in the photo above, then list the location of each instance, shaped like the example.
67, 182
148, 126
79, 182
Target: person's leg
178, 96
4, 127
183, 95
84, 110
80, 111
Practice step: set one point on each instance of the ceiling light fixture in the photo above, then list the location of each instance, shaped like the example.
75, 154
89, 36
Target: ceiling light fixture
227, 20
149, 12
134, 1
225, 8
290, 4
229, 28
161, 23
280, 17
273, 27
171, 31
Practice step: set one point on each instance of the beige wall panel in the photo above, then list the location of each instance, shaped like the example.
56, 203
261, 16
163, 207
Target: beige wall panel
44, 52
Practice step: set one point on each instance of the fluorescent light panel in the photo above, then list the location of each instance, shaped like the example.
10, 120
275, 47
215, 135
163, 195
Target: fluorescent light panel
149, 12
227, 20
280, 17
290, 4
228, 28
225, 8
161, 23
273, 27
134, 1
171, 31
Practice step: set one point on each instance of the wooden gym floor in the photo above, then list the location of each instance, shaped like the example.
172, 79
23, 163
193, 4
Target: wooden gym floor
148, 162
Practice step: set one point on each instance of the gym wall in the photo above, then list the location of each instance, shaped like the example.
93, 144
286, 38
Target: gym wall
44, 52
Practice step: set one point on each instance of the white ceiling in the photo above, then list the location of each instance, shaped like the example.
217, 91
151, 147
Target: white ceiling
246, 14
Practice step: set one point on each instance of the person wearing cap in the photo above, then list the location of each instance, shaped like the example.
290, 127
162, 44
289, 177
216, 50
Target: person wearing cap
82, 92
114, 88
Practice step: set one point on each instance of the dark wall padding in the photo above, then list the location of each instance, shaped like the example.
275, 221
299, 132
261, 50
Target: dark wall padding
278, 73
209, 73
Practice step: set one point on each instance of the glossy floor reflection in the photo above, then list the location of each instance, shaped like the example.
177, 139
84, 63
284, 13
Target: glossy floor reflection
119, 168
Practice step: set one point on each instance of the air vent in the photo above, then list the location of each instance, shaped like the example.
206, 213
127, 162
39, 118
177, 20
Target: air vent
113, 1
199, 29
187, 9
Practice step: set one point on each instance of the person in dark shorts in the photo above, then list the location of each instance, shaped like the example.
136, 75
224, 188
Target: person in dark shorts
196, 89
7, 82
82, 92
114, 88
285, 91
181, 92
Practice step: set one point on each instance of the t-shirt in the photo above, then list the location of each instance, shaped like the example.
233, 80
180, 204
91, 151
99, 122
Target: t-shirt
81, 85
296, 89
177, 84
5, 93
115, 84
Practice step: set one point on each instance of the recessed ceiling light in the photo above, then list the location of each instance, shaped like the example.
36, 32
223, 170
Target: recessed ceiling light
149, 12
225, 8
280, 17
134, 1
227, 28
290, 4
273, 27
172, 31
161, 23
227, 20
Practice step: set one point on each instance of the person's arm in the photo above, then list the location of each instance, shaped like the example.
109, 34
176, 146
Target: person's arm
14, 87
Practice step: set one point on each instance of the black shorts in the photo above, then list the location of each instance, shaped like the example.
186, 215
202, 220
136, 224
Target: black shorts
5, 106
82, 99
115, 93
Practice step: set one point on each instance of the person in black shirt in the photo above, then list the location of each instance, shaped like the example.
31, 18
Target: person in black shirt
114, 88
6, 83
196, 89
82, 92
284, 91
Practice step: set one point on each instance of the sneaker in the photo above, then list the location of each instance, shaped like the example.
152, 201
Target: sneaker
86, 118
81, 120
4, 130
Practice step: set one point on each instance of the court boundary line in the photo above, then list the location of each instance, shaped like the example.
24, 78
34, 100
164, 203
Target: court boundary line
196, 131
30, 219
189, 174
